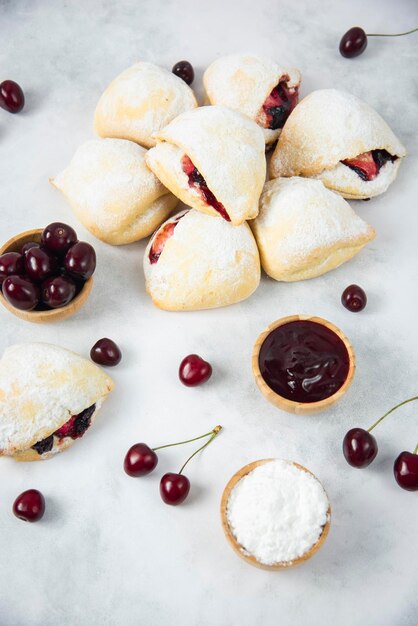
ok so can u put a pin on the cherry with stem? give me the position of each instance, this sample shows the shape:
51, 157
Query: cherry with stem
141, 460
174, 488
354, 41
360, 446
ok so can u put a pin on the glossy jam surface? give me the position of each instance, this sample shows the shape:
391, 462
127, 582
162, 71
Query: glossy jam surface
368, 164
161, 237
278, 105
197, 181
304, 361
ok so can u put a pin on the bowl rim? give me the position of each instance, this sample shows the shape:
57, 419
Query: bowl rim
49, 314
293, 406
240, 550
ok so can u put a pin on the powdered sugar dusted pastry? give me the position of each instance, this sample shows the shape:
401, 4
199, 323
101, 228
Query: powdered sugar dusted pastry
196, 262
255, 86
140, 101
49, 396
336, 137
113, 192
213, 159
304, 230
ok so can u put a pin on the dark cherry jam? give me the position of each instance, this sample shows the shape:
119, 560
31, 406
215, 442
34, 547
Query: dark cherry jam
161, 237
196, 180
75, 428
368, 164
304, 361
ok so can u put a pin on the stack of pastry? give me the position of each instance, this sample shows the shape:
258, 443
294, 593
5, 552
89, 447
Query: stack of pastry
157, 147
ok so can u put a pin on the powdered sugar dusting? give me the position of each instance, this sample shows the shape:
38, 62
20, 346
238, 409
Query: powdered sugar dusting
299, 215
41, 387
277, 512
348, 183
326, 127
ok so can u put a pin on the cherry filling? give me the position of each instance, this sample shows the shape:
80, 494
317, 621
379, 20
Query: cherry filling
197, 181
278, 105
368, 164
75, 428
161, 238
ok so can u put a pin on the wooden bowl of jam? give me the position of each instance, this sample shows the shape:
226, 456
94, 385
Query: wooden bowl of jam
303, 364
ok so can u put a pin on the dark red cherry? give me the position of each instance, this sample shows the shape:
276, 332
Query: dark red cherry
80, 260
27, 246
405, 470
185, 71
29, 506
354, 298
58, 291
57, 238
21, 292
359, 447
353, 43
140, 460
39, 264
105, 352
11, 96
10, 263
174, 488
194, 370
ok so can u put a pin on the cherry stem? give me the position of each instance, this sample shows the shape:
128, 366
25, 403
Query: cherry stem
408, 32
215, 431
416, 449
180, 443
391, 410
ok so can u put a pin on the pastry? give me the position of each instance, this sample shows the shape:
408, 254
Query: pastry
194, 261
48, 398
336, 137
140, 101
255, 86
213, 159
112, 191
304, 230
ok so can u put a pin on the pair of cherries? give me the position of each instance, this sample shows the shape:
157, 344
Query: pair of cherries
360, 449
141, 460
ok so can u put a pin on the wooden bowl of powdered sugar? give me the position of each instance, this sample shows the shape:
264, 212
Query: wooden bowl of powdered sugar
275, 513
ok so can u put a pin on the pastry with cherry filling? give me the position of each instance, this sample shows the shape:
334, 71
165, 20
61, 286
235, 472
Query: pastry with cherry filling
113, 192
140, 101
213, 159
304, 230
194, 261
339, 139
256, 86
49, 397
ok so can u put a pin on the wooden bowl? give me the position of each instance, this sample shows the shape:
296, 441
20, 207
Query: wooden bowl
51, 315
234, 543
291, 406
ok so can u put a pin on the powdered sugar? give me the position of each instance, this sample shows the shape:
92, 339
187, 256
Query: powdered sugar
277, 512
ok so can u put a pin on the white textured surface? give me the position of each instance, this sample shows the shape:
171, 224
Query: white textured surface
277, 512
108, 550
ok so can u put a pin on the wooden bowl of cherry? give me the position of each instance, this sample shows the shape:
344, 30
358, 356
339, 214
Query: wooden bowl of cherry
42, 316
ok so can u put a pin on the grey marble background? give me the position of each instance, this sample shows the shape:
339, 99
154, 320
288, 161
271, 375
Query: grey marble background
108, 550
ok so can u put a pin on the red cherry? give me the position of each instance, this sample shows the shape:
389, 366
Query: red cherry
57, 238
29, 506
174, 488
39, 264
353, 42
58, 291
27, 246
80, 260
405, 470
354, 298
185, 71
10, 263
12, 98
359, 447
21, 292
106, 352
140, 460
194, 370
